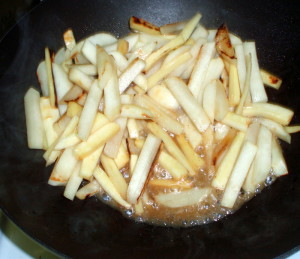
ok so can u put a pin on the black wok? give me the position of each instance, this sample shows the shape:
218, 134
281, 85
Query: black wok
266, 227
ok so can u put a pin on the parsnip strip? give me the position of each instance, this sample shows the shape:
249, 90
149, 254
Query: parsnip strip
172, 166
188, 103
278, 163
89, 51
133, 70
90, 162
69, 39
122, 158
68, 141
169, 183
225, 168
195, 160
172, 27
183, 198
73, 183
109, 188
43, 78
168, 68
270, 80
34, 123
135, 112
234, 94
270, 111
236, 121
63, 168
141, 25
88, 69
292, 128
112, 146
257, 89
96, 140
209, 100
80, 78
197, 78
170, 145
51, 90
222, 105
114, 175
74, 109
142, 168
190, 26
88, 190
241, 64
238, 174
89, 111
161, 115
214, 71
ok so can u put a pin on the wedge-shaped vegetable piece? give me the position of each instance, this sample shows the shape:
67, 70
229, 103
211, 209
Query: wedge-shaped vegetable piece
73, 94
199, 32
192, 134
89, 51
74, 109
34, 122
138, 24
73, 183
135, 112
122, 158
114, 175
194, 159
257, 89
112, 146
109, 188
168, 68
223, 44
196, 82
88, 69
89, 163
162, 116
169, 183
262, 162
183, 198
188, 103
50, 155
240, 64
132, 71
172, 27
89, 111
51, 90
96, 140
49, 116
163, 96
175, 54
61, 124
225, 168
63, 168
69, 39
278, 163
239, 174
214, 71
43, 78
172, 165
88, 190
270, 111
276, 129
209, 99
222, 105
142, 168
190, 26
62, 85
208, 144
170, 145
80, 78
102, 39
234, 94
292, 129
236, 121
270, 80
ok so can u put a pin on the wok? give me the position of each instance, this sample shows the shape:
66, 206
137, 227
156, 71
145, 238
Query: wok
266, 227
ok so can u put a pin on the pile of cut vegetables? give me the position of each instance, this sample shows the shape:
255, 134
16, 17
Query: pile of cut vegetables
179, 96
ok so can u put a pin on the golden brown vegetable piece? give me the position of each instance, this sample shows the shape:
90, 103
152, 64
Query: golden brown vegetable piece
138, 24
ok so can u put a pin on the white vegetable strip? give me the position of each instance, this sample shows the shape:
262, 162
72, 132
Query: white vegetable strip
238, 174
209, 100
241, 64
88, 190
89, 51
214, 71
257, 88
196, 82
34, 123
68, 141
183, 198
51, 89
133, 70
102, 39
135, 112
80, 78
142, 168
73, 183
89, 111
112, 146
270, 80
188, 103
109, 188
43, 78
278, 163
236, 121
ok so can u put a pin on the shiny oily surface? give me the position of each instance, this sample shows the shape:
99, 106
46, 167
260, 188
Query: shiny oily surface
266, 227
